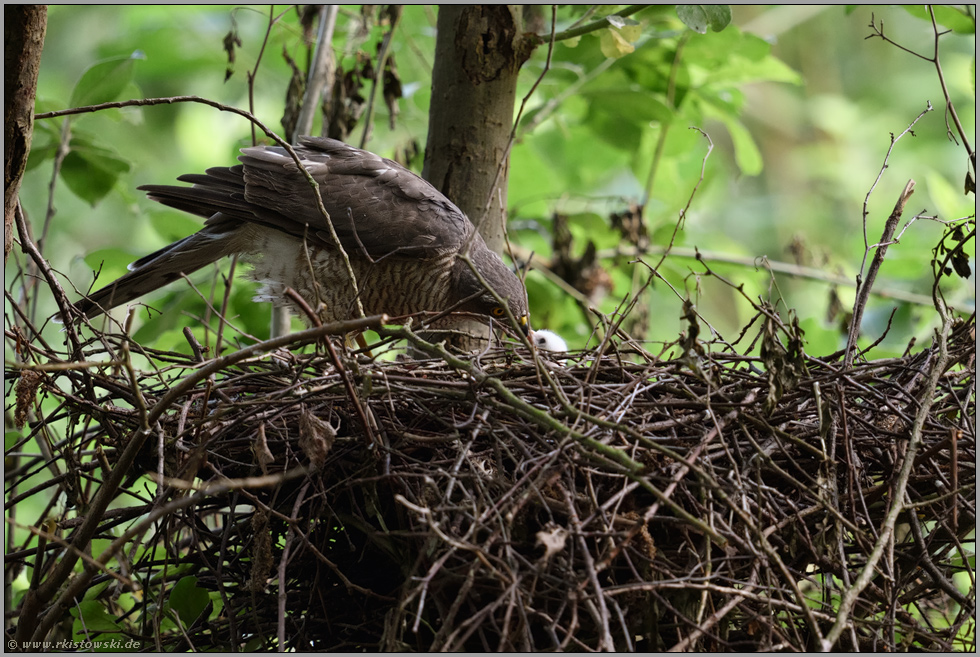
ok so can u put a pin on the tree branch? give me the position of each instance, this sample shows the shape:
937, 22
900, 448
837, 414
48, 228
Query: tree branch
595, 25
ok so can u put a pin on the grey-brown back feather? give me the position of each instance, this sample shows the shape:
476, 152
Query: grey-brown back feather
378, 208
160, 268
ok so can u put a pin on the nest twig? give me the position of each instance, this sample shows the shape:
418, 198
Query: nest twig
515, 502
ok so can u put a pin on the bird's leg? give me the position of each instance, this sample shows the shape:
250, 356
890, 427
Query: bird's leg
361, 342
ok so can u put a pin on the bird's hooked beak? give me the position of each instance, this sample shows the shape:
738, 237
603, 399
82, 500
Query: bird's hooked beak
525, 325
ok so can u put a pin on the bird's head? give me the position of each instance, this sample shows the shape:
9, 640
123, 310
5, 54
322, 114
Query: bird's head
548, 340
499, 277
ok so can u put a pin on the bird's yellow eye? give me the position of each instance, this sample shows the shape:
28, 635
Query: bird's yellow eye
499, 311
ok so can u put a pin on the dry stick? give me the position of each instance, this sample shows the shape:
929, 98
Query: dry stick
59, 159
383, 53
764, 262
30, 248
321, 71
38, 347
362, 414
879, 31
898, 504
737, 596
77, 586
864, 291
61, 366
606, 642
283, 562
544, 419
250, 75
937, 577
950, 109
615, 328
682, 215
686, 465
351, 586
225, 300
45, 536
37, 598
600, 452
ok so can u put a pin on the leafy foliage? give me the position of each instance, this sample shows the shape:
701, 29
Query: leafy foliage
702, 17
798, 107
597, 134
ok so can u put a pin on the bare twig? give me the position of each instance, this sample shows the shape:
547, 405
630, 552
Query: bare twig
321, 72
898, 497
864, 287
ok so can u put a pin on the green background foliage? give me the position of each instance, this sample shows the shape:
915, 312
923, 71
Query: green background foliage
798, 104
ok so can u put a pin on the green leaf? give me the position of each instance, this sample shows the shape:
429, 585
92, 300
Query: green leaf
105, 81
173, 225
624, 135
612, 44
94, 592
44, 145
91, 616
733, 58
91, 171
39, 153
10, 438
110, 262
188, 600
631, 32
747, 154
700, 17
948, 17
629, 105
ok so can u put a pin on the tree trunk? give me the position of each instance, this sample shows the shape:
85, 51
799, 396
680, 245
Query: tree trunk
479, 52
23, 38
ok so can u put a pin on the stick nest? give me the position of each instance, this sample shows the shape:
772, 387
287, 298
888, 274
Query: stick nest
519, 501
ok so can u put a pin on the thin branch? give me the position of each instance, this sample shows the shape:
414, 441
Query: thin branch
898, 491
879, 31
320, 73
36, 598
598, 24
950, 108
383, 53
864, 289
510, 142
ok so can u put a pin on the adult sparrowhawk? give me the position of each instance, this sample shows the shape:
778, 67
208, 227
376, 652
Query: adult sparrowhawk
404, 239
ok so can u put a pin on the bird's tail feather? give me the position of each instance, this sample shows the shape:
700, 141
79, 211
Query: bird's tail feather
160, 268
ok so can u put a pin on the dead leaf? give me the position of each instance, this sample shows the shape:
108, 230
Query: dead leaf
316, 437
553, 541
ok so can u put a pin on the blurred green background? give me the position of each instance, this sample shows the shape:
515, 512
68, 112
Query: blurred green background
798, 103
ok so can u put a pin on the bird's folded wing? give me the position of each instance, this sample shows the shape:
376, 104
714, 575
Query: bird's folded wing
378, 208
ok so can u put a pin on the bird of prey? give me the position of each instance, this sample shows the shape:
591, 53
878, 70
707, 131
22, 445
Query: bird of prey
404, 239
